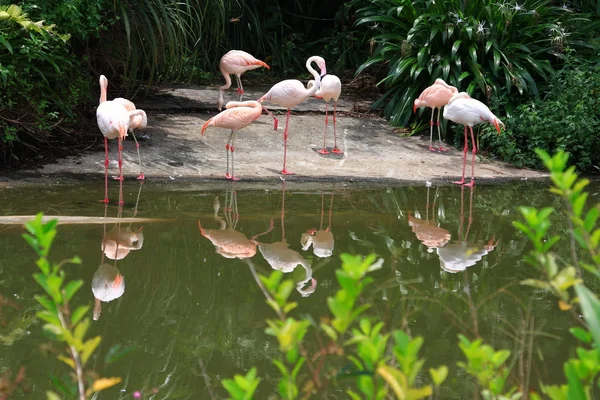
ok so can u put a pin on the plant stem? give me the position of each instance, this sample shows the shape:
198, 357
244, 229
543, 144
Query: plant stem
76, 359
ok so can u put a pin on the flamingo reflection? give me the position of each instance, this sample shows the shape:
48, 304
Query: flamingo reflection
458, 256
321, 240
281, 257
228, 242
428, 231
108, 284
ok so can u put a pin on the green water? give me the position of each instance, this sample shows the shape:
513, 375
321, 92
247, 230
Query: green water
195, 317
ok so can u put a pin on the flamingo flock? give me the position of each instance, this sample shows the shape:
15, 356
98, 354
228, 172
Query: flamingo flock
118, 117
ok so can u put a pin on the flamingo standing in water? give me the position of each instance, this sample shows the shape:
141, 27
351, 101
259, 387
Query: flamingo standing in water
137, 122
435, 96
114, 121
237, 116
236, 62
466, 111
290, 93
331, 88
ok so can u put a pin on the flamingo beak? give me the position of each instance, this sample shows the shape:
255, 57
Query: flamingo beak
323, 71
414, 108
497, 125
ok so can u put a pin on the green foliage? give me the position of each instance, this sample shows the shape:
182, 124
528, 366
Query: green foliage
36, 96
561, 276
490, 49
61, 324
566, 119
242, 387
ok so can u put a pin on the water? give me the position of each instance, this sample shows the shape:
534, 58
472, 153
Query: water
195, 316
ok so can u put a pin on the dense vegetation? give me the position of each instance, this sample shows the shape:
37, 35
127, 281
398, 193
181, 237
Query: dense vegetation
505, 53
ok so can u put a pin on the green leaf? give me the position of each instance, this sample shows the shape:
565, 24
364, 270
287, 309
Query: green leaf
455, 47
576, 390
590, 306
6, 44
46, 303
116, 352
438, 375
52, 396
89, 347
581, 334
78, 314
71, 288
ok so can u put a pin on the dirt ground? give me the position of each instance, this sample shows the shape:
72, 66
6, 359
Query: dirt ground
172, 147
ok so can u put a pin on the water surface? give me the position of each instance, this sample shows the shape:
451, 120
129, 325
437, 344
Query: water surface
194, 314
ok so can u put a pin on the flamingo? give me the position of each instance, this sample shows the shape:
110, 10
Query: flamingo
113, 120
107, 285
281, 257
238, 115
136, 122
428, 231
228, 242
459, 255
331, 88
322, 240
236, 62
435, 96
291, 92
462, 109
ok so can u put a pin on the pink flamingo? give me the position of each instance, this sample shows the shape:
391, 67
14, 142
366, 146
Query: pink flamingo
290, 93
136, 122
113, 120
466, 111
331, 88
237, 116
435, 96
236, 62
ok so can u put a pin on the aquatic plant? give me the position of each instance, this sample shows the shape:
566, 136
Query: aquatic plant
64, 324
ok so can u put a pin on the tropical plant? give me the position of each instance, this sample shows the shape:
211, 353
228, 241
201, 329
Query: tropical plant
64, 324
490, 49
566, 119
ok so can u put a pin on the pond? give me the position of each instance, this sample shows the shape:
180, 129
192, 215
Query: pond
193, 312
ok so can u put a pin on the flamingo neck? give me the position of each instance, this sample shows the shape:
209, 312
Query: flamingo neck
103, 85
313, 89
227, 84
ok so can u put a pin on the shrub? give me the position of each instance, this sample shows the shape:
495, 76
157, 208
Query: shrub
501, 49
566, 119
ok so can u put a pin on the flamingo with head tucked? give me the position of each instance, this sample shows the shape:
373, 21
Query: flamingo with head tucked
291, 92
435, 96
236, 62
137, 122
331, 89
464, 110
114, 121
237, 116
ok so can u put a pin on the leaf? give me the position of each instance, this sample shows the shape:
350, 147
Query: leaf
590, 306
67, 360
576, 391
439, 374
455, 47
89, 347
71, 288
52, 396
6, 44
116, 352
78, 314
581, 334
104, 383
393, 377
46, 303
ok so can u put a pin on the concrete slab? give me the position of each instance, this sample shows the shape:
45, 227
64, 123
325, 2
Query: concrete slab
372, 151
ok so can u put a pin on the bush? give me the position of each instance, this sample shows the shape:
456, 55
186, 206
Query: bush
566, 119
40, 84
488, 48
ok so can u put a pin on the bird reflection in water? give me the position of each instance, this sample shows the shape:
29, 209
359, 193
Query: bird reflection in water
458, 256
428, 231
281, 257
227, 241
108, 284
321, 240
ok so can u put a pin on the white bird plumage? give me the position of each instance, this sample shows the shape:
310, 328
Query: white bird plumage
331, 89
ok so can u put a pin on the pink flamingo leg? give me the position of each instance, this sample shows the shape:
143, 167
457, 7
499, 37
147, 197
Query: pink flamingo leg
324, 149
227, 149
275, 120
285, 137
439, 132
431, 131
233, 178
240, 88
470, 184
120, 171
335, 148
466, 149
105, 171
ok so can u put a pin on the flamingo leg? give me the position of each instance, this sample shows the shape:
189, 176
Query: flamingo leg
120, 171
439, 132
275, 120
240, 88
324, 149
137, 147
105, 170
284, 171
466, 149
335, 148
233, 178
431, 131
470, 184
227, 149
